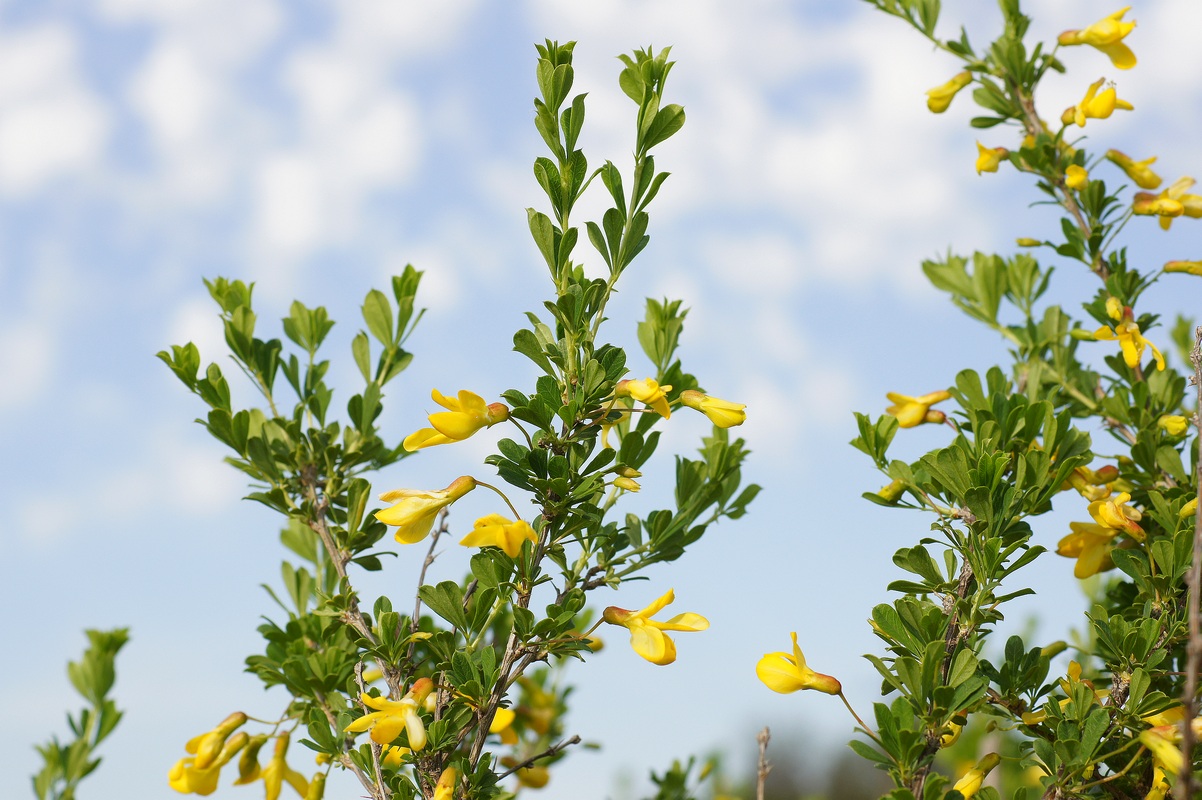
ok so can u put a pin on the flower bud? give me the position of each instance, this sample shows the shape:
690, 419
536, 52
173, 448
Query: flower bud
1076, 177
317, 787
1188, 267
628, 484
1027, 241
1173, 424
892, 491
248, 762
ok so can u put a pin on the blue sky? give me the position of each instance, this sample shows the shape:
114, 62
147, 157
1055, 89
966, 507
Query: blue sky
316, 148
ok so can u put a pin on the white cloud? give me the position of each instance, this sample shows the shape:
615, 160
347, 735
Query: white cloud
51, 123
27, 352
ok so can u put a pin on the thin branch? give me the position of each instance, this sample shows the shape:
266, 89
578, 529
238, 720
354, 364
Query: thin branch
1193, 658
421, 581
550, 751
762, 767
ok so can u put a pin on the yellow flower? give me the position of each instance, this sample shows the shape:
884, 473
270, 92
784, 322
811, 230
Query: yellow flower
1076, 177
317, 787
892, 491
1114, 308
970, 784
1114, 513
912, 411
988, 158
1160, 785
1188, 267
1095, 105
394, 755
1090, 544
445, 788
1162, 742
647, 635
414, 510
950, 733
187, 778
277, 771
392, 716
1090, 484
1173, 424
502, 723
722, 413
1130, 340
648, 391
208, 746
1138, 171
939, 98
1174, 201
497, 531
787, 672
248, 762
1106, 35
464, 416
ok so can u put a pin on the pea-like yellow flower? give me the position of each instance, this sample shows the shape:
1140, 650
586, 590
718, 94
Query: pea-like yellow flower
1187, 267
722, 413
787, 672
414, 510
1130, 340
647, 636
277, 772
1090, 544
465, 415
188, 778
1095, 105
1114, 308
445, 788
988, 158
248, 762
892, 491
317, 787
1091, 484
646, 391
1173, 424
1114, 513
913, 411
1076, 177
1163, 741
1189, 509
950, 733
502, 724
393, 755
1138, 171
1173, 202
208, 746
497, 531
939, 98
971, 782
1160, 785
392, 716
1107, 35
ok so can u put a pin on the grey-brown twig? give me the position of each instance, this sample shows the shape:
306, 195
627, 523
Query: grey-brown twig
550, 751
439, 530
1193, 651
762, 767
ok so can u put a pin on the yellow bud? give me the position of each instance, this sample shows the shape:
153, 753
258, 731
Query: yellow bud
628, 484
939, 98
1054, 649
1189, 509
892, 491
1114, 307
1188, 267
1173, 424
317, 787
988, 158
1027, 241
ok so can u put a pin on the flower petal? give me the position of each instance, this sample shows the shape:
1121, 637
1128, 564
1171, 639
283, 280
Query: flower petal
652, 644
687, 621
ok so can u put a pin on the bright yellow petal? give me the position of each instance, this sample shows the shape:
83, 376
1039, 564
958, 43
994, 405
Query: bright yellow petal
426, 437
456, 424
501, 720
449, 403
416, 731
1119, 53
658, 604
652, 644
779, 673
387, 728
687, 621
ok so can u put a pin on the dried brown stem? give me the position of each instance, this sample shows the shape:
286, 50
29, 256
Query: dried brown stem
1193, 658
762, 767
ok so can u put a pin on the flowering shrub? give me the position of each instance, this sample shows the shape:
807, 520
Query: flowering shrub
460, 697
1122, 721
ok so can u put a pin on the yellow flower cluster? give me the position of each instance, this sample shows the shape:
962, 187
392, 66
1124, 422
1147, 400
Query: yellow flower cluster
209, 752
1091, 542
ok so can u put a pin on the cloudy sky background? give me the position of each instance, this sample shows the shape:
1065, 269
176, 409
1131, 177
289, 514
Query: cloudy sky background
316, 148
